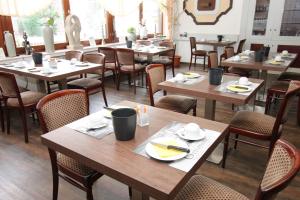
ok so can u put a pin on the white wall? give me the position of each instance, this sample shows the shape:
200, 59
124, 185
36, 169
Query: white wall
230, 25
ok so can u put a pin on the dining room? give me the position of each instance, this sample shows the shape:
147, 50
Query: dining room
149, 99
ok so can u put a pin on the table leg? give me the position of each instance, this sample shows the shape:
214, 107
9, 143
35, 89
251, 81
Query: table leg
210, 107
62, 84
137, 195
41, 86
264, 76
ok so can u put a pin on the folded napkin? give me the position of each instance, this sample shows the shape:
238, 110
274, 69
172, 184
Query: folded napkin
163, 152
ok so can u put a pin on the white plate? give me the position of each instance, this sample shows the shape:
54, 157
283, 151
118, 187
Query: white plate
191, 75
150, 150
8, 65
81, 64
248, 89
184, 135
34, 70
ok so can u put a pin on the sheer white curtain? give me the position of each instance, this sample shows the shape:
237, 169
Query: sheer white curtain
22, 7
120, 7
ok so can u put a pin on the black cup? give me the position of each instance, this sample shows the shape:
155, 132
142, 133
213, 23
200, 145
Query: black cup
259, 55
129, 44
37, 58
220, 38
124, 123
215, 76
266, 51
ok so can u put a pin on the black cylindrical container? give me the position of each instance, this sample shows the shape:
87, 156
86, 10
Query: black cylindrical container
37, 58
215, 76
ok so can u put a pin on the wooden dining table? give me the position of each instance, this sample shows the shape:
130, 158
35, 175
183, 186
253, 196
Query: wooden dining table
60, 73
211, 94
117, 159
215, 43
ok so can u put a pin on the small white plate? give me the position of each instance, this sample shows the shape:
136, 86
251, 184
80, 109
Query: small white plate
184, 135
150, 150
161, 47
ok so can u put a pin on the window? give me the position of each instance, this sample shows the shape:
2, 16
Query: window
91, 16
151, 16
290, 25
33, 25
122, 23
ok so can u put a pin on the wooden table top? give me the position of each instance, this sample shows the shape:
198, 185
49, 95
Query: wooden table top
117, 159
148, 50
216, 43
203, 89
64, 69
265, 65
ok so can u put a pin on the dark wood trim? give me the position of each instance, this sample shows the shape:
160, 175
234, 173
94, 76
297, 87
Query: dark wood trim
141, 12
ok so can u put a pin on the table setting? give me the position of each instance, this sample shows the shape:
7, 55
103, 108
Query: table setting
242, 86
187, 78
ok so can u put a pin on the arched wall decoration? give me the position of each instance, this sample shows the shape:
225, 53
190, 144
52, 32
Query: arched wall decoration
206, 12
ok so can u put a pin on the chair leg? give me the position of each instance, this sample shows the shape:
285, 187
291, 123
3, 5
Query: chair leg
204, 59
129, 79
104, 96
7, 111
2, 117
142, 75
130, 191
195, 61
236, 142
268, 102
195, 111
89, 193
118, 81
24, 121
298, 112
48, 87
226, 143
54, 173
191, 61
173, 70
114, 76
134, 83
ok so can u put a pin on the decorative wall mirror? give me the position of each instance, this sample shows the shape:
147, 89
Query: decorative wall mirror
206, 12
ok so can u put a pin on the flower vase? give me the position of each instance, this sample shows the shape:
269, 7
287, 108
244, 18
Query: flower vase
48, 39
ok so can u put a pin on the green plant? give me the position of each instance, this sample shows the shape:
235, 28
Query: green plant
50, 21
131, 30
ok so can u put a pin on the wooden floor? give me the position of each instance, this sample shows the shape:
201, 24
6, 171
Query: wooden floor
25, 171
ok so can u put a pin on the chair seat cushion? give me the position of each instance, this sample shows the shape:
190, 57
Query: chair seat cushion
177, 103
129, 68
203, 188
199, 52
110, 65
162, 60
289, 76
84, 83
29, 98
253, 121
74, 165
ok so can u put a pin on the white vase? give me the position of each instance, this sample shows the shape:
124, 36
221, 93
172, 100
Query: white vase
10, 45
48, 39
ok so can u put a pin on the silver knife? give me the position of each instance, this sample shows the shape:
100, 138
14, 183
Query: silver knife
171, 147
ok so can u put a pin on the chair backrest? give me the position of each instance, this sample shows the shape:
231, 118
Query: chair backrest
293, 90
63, 107
241, 45
110, 54
73, 54
256, 47
193, 43
282, 167
170, 45
8, 85
155, 75
213, 59
125, 56
229, 52
143, 42
97, 58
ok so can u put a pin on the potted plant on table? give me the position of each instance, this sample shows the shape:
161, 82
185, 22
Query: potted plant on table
48, 35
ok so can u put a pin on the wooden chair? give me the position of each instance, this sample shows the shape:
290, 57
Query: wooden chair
256, 47
92, 85
127, 65
177, 103
110, 60
279, 88
195, 53
260, 126
167, 59
282, 167
24, 102
68, 56
54, 111
229, 52
241, 46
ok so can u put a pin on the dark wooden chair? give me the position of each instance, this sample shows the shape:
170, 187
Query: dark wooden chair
229, 52
92, 85
110, 60
282, 167
278, 89
256, 47
24, 102
177, 103
68, 56
261, 126
127, 65
167, 59
196, 53
54, 111
241, 46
